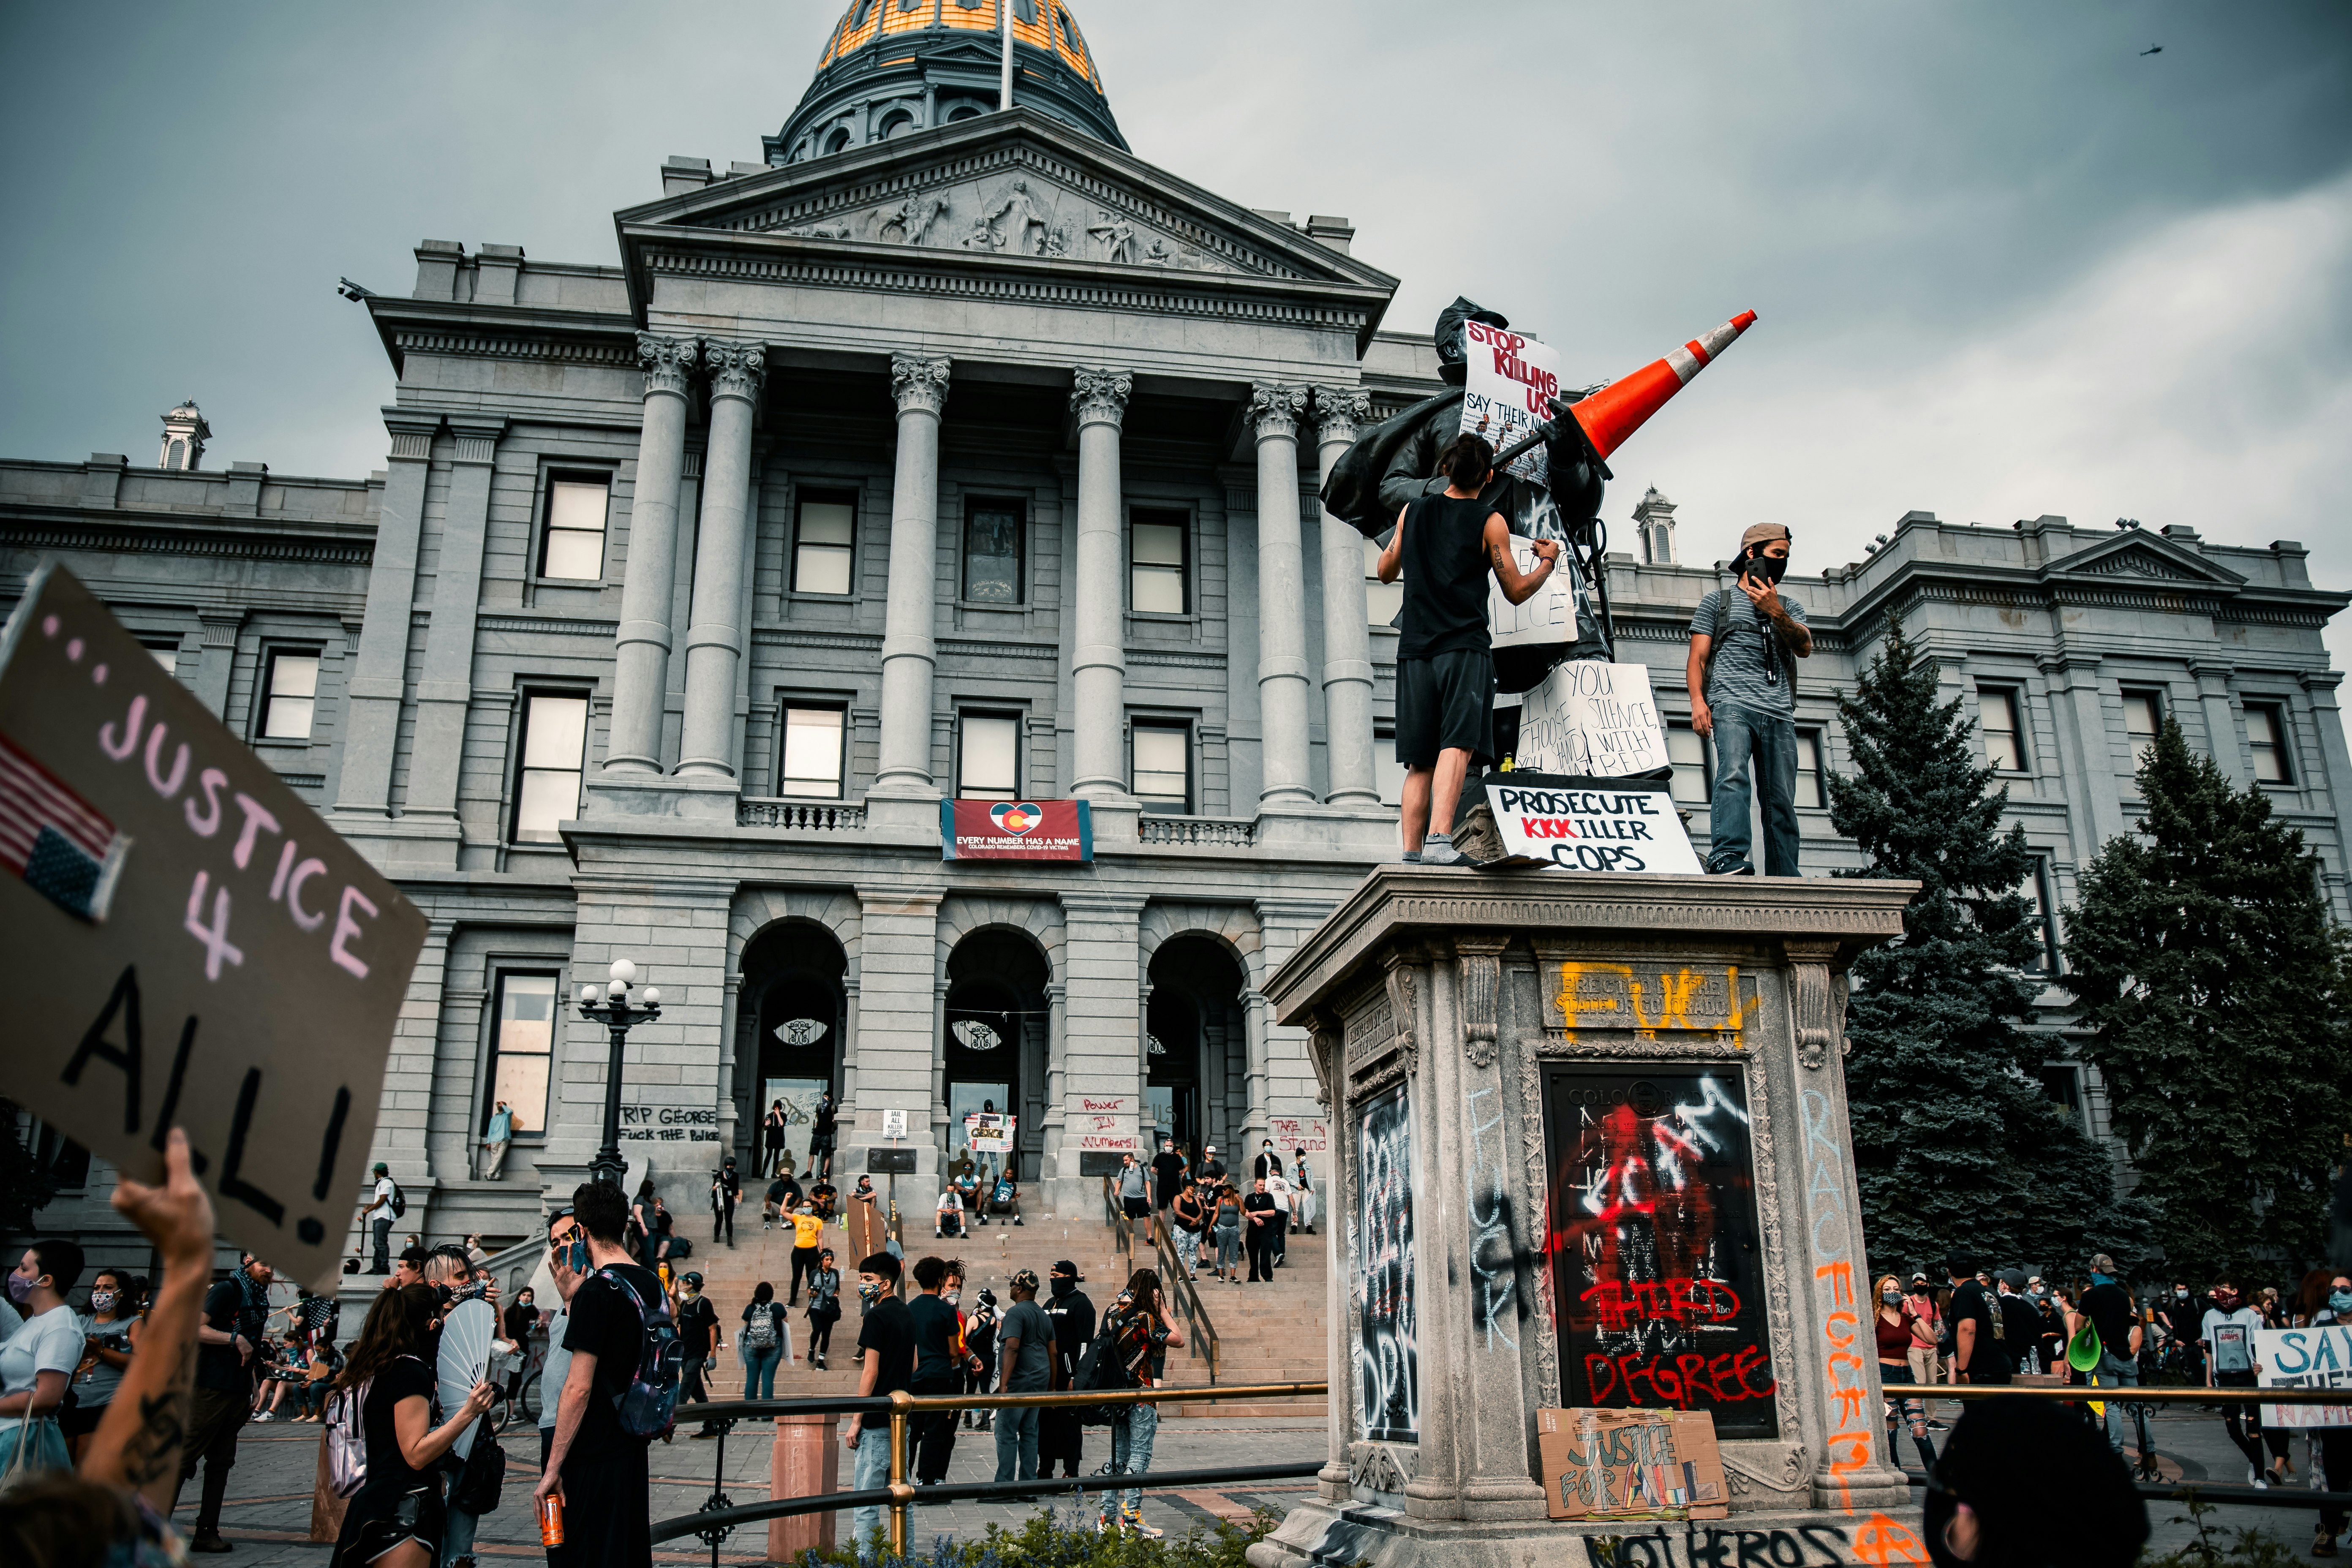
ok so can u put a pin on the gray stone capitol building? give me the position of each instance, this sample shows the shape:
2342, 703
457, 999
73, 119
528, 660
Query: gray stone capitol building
956, 451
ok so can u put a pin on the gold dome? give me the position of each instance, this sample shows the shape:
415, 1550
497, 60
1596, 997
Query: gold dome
1041, 25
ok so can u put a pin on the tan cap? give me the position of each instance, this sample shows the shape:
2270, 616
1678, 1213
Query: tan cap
1763, 534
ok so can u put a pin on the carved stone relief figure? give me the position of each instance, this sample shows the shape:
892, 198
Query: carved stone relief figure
1114, 239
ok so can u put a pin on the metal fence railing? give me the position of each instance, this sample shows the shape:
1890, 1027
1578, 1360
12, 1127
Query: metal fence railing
718, 1518
1200, 1332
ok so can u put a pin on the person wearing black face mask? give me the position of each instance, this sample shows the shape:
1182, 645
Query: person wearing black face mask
1072, 1313
1744, 648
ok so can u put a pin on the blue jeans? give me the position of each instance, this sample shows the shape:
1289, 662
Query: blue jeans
2120, 1372
870, 1532
1742, 737
1017, 1443
759, 1373
1130, 1447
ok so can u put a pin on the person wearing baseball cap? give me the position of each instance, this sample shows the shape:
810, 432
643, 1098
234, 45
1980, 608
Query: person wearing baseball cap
1024, 1358
1744, 648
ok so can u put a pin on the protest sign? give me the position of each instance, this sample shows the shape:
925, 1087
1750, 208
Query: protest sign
1581, 825
1592, 720
2319, 1356
1511, 375
1547, 618
989, 1132
1630, 1464
200, 949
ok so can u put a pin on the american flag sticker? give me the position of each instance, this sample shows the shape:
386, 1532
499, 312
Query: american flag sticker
57, 841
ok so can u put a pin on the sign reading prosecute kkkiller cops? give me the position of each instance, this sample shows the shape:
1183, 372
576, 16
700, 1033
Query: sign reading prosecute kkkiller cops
1580, 825
191, 945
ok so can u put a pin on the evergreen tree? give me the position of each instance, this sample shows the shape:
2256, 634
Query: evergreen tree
2213, 985
1957, 1148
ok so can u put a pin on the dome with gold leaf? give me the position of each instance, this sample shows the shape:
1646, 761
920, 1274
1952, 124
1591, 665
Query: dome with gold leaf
895, 66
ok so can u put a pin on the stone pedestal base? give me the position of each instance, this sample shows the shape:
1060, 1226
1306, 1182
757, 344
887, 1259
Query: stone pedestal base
1318, 1532
912, 818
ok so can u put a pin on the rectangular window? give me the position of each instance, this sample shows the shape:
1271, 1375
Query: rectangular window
521, 1049
992, 548
988, 756
2063, 1083
574, 546
1687, 749
1383, 602
1160, 766
2004, 736
555, 754
1155, 575
2266, 736
167, 653
1386, 770
290, 695
2040, 916
812, 752
823, 543
2143, 718
1809, 770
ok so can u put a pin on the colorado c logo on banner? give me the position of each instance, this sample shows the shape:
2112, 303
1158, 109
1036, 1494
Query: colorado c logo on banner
1015, 817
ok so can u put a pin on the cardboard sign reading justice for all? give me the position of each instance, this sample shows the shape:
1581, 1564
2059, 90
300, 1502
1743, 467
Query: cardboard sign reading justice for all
195, 947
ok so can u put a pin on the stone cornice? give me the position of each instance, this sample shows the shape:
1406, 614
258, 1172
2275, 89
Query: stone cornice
132, 533
501, 332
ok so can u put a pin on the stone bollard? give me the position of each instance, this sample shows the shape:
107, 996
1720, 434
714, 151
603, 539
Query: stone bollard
1591, 1150
806, 1461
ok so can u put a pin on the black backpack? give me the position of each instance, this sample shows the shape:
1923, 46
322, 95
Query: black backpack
1101, 1370
399, 1202
481, 1476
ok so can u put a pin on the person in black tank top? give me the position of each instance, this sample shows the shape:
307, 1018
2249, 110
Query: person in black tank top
1444, 547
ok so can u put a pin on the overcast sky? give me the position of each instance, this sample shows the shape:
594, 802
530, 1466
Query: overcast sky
2004, 263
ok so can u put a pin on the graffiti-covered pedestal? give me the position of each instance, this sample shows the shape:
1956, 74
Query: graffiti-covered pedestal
1592, 1150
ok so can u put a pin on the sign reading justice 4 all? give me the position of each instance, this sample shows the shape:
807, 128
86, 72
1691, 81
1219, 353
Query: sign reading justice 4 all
1583, 825
1016, 830
194, 946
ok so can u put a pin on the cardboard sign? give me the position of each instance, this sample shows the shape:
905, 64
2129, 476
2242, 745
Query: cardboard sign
2317, 1357
1016, 830
1311, 1133
1630, 1464
1595, 720
1548, 618
1109, 1124
1584, 825
894, 1123
989, 1132
198, 948
1511, 375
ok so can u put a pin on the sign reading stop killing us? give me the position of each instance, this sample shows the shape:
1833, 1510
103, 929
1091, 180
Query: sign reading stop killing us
1585, 825
193, 946
1511, 378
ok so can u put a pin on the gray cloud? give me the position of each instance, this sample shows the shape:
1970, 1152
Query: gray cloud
2004, 264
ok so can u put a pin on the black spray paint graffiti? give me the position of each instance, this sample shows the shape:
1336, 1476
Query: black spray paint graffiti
1392, 1396
1503, 1271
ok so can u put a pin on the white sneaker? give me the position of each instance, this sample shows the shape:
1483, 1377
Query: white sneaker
2254, 1479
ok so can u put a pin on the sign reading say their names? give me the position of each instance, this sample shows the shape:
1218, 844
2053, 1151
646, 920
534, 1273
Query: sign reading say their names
1584, 825
195, 947
1594, 720
2319, 1356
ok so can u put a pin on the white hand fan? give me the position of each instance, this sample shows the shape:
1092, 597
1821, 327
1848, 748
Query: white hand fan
465, 1336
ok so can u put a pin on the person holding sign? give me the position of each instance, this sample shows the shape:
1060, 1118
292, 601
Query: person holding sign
1445, 547
1744, 648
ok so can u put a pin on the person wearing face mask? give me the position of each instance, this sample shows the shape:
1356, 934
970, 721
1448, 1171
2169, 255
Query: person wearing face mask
824, 1307
1744, 648
1894, 1326
39, 1358
700, 1342
2107, 1306
1060, 1438
110, 1333
2334, 1442
886, 1342
939, 1369
2228, 1336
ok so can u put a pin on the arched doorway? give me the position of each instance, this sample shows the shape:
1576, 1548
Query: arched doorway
794, 1007
993, 1055
1196, 1086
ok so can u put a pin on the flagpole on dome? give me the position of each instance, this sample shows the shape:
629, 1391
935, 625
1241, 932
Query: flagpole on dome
1004, 35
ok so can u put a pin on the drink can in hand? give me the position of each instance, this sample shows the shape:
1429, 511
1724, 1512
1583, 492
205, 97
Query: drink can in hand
550, 1521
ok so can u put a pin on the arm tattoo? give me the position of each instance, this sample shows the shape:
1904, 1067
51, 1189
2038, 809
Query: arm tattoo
154, 1448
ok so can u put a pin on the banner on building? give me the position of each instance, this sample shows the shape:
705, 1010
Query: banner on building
1511, 375
1109, 1124
1591, 719
1016, 830
2317, 1357
1291, 1134
1584, 825
194, 946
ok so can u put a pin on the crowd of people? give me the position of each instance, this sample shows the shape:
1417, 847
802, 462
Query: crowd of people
1203, 1209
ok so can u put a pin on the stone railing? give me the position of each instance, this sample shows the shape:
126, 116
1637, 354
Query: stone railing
1198, 832
801, 815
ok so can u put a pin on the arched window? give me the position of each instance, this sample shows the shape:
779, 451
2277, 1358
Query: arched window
179, 457
963, 111
839, 141
897, 124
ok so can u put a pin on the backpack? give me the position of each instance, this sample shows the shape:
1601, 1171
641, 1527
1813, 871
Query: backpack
399, 1202
646, 1408
1104, 1367
1782, 661
759, 1328
476, 1489
347, 1439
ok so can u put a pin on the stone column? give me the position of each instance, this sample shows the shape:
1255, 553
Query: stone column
714, 640
2094, 806
2221, 737
1097, 596
641, 647
1326, 1048
445, 681
218, 660
379, 673
1282, 597
1346, 635
1102, 1016
2327, 719
920, 387
1254, 1112
1055, 1123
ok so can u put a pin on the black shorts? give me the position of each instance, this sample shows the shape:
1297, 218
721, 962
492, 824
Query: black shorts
1445, 703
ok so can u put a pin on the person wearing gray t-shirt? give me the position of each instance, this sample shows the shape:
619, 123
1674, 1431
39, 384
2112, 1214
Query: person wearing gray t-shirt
1745, 645
1024, 1343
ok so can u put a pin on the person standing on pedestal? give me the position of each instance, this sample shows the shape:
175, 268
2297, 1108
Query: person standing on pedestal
1744, 648
1445, 547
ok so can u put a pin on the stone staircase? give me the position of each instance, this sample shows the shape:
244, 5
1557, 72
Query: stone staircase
1265, 1333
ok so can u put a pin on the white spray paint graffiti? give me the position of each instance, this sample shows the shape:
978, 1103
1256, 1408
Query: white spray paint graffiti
1392, 1396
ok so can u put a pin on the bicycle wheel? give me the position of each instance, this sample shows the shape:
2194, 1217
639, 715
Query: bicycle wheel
526, 1402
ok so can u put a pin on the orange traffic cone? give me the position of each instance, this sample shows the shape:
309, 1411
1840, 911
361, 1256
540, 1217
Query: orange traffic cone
1619, 409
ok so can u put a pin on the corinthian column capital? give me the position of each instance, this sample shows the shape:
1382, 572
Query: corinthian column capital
1100, 396
1274, 410
737, 370
1339, 410
919, 384
668, 363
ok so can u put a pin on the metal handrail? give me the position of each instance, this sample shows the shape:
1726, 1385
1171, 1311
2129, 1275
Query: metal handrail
1115, 1215
2235, 1496
1172, 1273
2122, 1393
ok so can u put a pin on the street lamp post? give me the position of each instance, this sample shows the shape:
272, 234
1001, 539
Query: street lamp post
611, 1007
